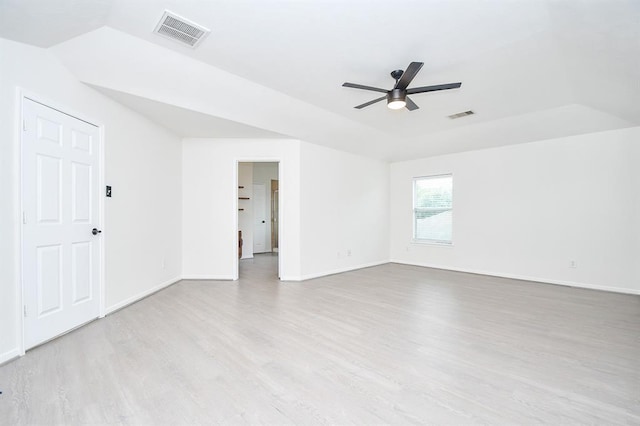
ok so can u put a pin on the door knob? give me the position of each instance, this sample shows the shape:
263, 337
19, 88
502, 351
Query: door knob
263, 221
96, 231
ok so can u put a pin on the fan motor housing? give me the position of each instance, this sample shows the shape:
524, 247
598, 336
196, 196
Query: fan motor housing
396, 95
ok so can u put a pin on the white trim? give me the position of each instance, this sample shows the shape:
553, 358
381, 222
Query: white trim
10, 355
64, 109
431, 243
23, 94
236, 261
133, 299
523, 277
283, 234
210, 277
337, 271
18, 244
290, 279
103, 225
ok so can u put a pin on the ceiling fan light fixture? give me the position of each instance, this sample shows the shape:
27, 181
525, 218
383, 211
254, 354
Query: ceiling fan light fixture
396, 104
396, 99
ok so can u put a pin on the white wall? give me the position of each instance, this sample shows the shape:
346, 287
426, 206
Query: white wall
528, 210
245, 217
143, 218
143, 163
342, 200
210, 201
264, 173
344, 211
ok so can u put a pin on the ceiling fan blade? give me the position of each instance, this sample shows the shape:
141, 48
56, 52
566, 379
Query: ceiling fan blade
408, 75
360, 86
366, 104
433, 88
411, 106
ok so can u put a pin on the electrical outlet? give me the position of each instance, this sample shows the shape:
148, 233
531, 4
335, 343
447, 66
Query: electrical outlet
339, 255
573, 264
349, 253
164, 264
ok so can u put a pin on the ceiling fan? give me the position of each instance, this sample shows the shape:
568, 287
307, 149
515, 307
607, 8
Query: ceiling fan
397, 97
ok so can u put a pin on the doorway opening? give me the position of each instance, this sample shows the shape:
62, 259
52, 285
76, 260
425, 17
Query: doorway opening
258, 218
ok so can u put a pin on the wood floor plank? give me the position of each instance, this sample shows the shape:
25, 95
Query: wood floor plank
391, 344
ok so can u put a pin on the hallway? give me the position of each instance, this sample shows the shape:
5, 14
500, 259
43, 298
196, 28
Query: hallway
263, 266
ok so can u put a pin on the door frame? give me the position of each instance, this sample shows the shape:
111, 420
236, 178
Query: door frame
238, 160
264, 221
22, 96
277, 232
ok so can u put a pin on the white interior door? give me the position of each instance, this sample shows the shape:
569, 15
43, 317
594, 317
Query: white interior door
259, 218
60, 253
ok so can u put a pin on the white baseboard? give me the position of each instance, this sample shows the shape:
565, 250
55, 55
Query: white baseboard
338, 271
523, 277
209, 277
9, 355
111, 309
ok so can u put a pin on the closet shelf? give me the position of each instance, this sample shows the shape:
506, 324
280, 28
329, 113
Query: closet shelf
243, 198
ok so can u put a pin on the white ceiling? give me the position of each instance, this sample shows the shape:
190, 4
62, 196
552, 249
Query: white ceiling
531, 69
188, 123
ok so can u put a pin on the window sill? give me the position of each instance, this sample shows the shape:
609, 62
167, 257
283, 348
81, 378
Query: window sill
431, 243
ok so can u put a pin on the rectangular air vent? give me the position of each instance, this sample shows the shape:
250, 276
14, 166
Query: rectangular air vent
461, 114
180, 29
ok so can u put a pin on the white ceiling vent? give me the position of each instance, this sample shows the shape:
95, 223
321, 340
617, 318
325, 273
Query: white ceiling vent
180, 29
461, 114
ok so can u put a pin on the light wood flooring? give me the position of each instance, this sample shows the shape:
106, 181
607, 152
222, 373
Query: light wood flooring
389, 344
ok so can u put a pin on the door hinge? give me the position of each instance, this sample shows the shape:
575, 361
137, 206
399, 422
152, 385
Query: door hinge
24, 218
25, 310
24, 125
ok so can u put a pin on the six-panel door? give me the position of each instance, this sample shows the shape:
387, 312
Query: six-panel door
61, 256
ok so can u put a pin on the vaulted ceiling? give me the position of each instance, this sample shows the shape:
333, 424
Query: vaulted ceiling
531, 69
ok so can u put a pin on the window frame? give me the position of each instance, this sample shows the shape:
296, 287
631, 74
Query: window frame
428, 241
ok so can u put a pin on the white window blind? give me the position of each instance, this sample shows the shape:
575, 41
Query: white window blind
433, 208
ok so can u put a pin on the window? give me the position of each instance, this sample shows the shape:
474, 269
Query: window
433, 209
